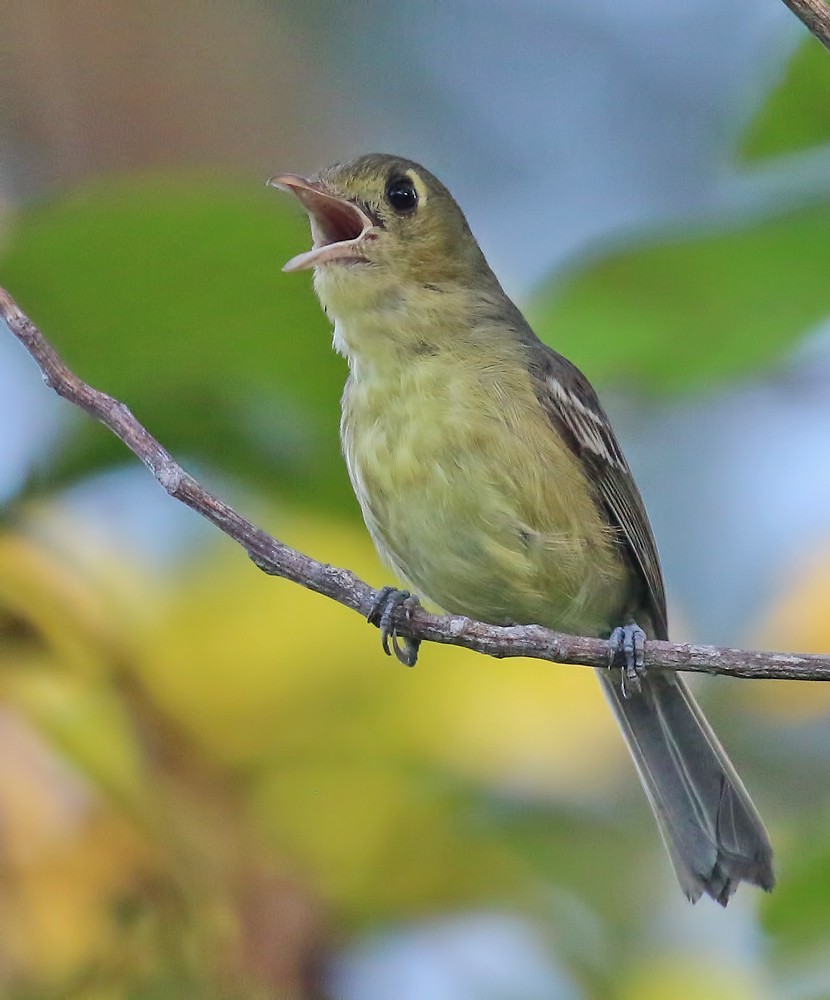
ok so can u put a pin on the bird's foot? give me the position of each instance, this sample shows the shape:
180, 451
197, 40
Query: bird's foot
382, 614
629, 642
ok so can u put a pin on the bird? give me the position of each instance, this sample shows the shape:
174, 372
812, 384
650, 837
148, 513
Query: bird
492, 483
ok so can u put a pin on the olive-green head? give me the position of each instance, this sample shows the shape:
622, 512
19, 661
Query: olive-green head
382, 226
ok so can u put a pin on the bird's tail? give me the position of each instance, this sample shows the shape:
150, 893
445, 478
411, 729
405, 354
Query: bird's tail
712, 830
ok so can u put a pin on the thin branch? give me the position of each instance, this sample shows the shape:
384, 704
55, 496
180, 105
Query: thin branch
278, 559
815, 14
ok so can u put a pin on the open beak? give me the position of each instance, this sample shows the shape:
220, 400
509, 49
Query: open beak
339, 228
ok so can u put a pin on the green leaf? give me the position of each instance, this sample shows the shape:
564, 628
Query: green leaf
673, 315
797, 913
167, 293
796, 115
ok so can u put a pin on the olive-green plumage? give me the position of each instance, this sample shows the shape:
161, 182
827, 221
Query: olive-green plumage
490, 479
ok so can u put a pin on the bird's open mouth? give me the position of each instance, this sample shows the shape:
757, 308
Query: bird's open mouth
339, 228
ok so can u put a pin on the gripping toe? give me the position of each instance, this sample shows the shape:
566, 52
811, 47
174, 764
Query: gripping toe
382, 613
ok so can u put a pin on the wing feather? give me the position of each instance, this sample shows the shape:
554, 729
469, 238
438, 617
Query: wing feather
574, 410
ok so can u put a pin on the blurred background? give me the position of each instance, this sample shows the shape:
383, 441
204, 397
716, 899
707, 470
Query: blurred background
213, 784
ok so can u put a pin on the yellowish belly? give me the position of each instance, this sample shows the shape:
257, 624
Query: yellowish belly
468, 499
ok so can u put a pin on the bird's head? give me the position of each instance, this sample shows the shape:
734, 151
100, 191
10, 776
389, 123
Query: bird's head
383, 229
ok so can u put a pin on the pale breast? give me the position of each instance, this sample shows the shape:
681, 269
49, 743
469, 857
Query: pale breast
466, 497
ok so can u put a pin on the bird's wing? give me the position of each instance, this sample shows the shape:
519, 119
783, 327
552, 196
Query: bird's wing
574, 410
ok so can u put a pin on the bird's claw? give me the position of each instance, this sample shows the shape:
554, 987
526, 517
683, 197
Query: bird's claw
629, 641
382, 613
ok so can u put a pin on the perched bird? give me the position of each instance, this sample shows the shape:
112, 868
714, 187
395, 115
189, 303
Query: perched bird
491, 481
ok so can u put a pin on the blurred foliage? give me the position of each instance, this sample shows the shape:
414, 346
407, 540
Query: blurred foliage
166, 291
797, 915
208, 779
707, 302
800, 621
224, 782
681, 311
796, 115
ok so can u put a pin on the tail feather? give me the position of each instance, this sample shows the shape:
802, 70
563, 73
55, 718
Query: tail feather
713, 832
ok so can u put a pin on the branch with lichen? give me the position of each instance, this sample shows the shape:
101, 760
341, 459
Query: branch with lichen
815, 15
278, 559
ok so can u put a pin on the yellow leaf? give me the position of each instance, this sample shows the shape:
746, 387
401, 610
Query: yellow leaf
798, 621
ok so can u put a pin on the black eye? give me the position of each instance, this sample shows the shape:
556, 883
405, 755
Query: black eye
401, 195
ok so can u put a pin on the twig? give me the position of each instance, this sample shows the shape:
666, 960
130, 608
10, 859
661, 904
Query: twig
278, 559
815, 14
